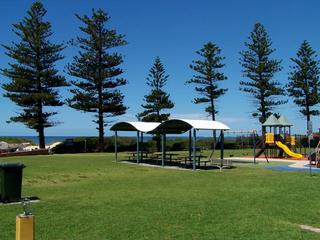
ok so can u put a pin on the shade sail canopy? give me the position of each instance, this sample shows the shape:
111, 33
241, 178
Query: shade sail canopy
173, 126
206, 124
135, 126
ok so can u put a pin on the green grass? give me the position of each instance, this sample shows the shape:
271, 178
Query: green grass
87, 196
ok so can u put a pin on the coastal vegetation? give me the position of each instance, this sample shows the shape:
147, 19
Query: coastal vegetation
125, 144
15, 140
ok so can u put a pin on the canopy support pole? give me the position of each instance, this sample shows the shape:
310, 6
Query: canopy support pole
194, 149
221, 147
163, 149
116, 145
254, 147
190, 144
138, 147
141, 146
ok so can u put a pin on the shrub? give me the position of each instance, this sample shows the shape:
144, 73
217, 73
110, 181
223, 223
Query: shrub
89, 144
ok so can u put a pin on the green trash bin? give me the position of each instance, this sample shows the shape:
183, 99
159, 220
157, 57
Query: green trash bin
10, 182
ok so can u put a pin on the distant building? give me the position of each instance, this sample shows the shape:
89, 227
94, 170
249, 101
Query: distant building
4, 146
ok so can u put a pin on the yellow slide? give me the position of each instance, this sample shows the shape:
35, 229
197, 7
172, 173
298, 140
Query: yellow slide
287, 150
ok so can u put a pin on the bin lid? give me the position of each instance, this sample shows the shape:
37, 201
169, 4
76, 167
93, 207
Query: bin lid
11, 165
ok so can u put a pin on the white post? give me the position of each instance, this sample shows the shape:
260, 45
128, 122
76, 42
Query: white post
194, 149
116, 145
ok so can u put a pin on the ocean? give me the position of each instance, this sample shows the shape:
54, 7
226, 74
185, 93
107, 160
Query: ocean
49, 139
53, 139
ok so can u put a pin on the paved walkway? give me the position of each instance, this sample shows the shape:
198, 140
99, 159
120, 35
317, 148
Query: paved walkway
250, 159
295, 166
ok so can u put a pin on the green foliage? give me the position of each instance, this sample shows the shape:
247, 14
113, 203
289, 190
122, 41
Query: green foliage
89, 144
260, 68
88, 196
157, 100
15, 140
304, 82
303, 142
34, 79
207, 77
97, 70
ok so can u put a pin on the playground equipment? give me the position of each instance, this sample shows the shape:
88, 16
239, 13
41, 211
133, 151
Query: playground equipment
315, 156
250, 137
277, 139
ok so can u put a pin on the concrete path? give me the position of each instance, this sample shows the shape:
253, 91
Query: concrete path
302, 164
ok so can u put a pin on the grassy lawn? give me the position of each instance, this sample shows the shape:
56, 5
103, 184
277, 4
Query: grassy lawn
87, 196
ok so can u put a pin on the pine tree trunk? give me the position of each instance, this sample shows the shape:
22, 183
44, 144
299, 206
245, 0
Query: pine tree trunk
307, 110
214, 135
213, 116
42, 143
101, 132
158, 137
263, 116
308, 117
263, 130
100, 121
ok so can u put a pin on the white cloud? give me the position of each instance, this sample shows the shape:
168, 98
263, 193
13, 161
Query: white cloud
232, 119
204, 116
199, 116
128, 117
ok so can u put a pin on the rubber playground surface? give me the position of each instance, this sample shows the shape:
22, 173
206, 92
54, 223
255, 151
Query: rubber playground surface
305, 168
289, 165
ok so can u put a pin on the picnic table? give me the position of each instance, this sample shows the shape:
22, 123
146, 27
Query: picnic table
170, 155
198, 160
133, 155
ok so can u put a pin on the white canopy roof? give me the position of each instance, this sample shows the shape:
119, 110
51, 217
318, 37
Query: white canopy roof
206, 124
175, 126
135, 126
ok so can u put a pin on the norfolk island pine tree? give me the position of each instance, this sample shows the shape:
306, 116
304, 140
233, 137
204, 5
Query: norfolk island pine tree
34, 78
259, 68
97, 71
157, 100
207, 77
304, 85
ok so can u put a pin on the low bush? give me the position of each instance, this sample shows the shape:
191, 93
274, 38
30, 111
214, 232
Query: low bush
89, 144
15, 140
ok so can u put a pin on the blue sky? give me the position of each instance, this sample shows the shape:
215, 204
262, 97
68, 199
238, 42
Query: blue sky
173, 30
